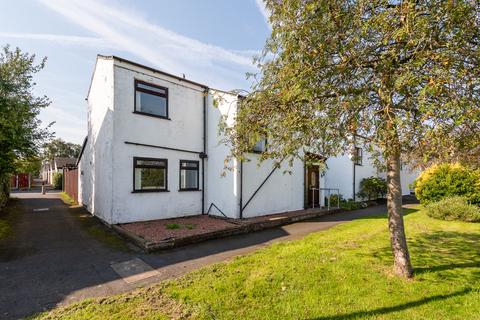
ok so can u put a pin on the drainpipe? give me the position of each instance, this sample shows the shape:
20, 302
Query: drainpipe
241, 189
203, 155
354, 171
305, 199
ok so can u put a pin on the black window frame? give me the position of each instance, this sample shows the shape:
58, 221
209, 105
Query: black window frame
188, 168
136, 88
135, 166
358, 159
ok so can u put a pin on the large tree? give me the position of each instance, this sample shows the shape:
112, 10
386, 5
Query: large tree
394, 72
21, 132
60, 148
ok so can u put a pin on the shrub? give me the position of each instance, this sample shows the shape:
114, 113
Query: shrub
372, 188
333, 200
445, 180
350, 204
344, 204
58, 180
454, 208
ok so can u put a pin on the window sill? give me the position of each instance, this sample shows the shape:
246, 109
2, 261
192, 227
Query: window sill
151, 115
182, 190
149, 191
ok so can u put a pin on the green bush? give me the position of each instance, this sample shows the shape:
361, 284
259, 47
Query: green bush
58, 180
333, 200
350, 204
372, 188
454, 208
445, 180
344, 204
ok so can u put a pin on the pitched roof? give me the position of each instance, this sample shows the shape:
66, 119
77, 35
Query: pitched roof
65, 162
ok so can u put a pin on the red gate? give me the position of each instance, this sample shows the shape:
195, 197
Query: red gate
70, 183
20, 181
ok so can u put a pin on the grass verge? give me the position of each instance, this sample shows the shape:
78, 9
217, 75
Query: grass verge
67, 199
341, 273
7, 216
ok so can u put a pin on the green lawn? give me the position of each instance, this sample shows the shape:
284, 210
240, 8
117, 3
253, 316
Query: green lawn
342, 273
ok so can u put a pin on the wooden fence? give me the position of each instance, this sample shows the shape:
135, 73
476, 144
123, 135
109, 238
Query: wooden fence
21, 181
70, 183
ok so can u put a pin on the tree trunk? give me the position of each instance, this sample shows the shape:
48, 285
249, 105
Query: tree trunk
401, 257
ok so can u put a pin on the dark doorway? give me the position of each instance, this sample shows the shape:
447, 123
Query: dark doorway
313, 186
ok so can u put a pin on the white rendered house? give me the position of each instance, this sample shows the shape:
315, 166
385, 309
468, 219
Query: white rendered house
153, 152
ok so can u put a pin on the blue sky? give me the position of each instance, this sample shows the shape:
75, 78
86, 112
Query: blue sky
210, 41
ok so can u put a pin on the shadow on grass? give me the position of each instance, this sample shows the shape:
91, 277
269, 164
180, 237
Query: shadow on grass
400, 307
442, 254
445, 267
346, 215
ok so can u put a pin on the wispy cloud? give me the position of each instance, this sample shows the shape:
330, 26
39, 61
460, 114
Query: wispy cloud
67, 125
132, 32
264, 11
60, 39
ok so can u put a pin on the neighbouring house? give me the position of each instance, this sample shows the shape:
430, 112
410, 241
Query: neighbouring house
49, 167
153, 151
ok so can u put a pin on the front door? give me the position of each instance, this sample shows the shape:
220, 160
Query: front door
313, 185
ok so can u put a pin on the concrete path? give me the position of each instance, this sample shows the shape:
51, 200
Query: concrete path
52, 260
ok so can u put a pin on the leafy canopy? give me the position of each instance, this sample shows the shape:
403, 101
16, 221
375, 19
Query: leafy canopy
402, 74
21, 133
60, 148
372, 188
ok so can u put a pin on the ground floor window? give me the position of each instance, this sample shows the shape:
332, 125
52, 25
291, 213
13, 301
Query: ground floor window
149, 174
189, 172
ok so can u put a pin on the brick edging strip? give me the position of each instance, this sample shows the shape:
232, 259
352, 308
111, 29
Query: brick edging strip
237, 229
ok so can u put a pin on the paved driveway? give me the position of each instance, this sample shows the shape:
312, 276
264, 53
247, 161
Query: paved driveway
52, 260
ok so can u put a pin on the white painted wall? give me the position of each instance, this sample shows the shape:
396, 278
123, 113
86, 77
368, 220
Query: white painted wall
339, 175
128, 206
96, 162
281, 192
222, 185
407, 177
184, 130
